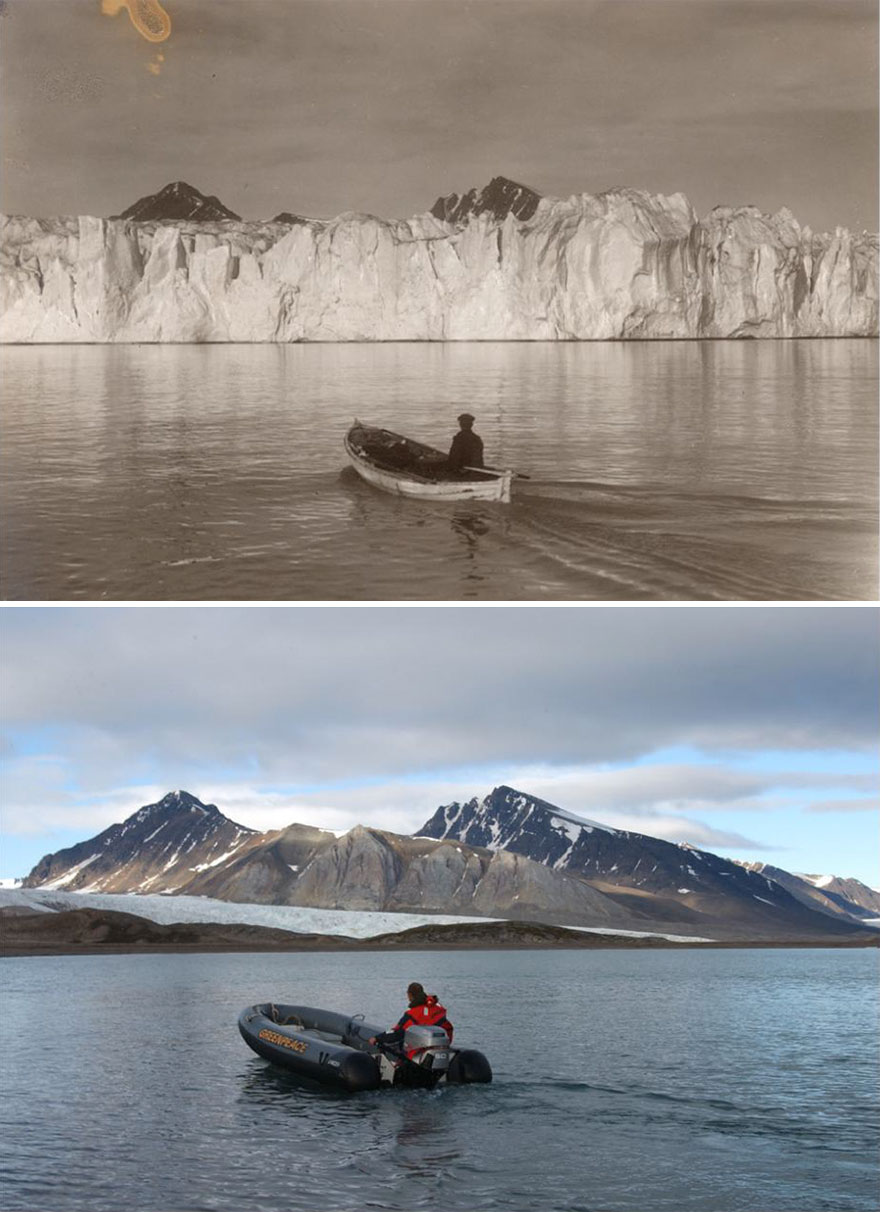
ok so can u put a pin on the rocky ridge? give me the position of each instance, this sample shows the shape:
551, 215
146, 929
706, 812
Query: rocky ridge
158, 848
625, 264
664, 880
180, 845
508, 855
839, 897
500, 198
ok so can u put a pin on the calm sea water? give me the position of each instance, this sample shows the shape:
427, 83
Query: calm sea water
730, 1081
660, 470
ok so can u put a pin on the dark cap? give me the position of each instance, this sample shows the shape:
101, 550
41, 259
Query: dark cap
466, 416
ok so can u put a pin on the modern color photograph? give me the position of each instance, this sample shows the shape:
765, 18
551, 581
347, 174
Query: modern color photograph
323, 910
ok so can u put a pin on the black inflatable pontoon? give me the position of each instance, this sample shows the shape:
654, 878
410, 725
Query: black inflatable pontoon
335, 1049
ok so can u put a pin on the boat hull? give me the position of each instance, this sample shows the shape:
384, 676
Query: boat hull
404, 482
268, 1029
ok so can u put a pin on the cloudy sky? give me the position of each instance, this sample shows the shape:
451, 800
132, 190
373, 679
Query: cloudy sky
748, 731
324, 106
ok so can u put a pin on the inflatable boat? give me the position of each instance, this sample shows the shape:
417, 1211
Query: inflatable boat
335, 1049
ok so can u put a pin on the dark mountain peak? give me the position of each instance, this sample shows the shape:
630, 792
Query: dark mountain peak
506, 799
682, 882
179, 797
289, 219
503, 792
500, 198
172, 803
167, 841
177, 201
507, 819
500, 187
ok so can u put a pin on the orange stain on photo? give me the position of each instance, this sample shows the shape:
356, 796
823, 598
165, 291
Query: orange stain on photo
147, 16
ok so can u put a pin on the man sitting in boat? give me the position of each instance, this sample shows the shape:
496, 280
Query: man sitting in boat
467, 447
424, 1010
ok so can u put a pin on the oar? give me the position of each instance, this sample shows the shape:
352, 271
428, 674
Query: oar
497, 471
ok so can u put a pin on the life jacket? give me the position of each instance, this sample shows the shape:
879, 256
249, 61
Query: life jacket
429, 1014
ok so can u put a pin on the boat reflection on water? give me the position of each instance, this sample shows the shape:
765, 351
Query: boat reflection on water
471, 527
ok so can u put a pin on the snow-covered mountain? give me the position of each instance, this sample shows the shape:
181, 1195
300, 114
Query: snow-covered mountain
621, 264
180, 845
664, 880
158, 849
508, 856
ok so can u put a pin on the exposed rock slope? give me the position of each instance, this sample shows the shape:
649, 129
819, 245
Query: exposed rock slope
499, 199
648, 875
853, 892
181, 845
623, 264
840, 897
158, 849
177, 201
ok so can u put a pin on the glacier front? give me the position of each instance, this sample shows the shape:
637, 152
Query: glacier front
625, 264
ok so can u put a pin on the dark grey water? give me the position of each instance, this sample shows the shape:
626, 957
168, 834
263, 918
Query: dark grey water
730, 1081
660, 470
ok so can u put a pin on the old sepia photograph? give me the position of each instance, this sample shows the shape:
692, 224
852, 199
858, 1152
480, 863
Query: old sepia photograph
450, 300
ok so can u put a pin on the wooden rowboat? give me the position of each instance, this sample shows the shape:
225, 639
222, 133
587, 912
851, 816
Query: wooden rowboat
407, 468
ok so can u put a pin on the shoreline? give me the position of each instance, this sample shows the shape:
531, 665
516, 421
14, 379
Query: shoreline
107, 932
328, 947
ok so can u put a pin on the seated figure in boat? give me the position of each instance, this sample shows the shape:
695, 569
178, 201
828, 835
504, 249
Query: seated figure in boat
467, 447
424, 1010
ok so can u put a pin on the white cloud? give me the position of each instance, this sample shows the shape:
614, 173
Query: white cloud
844, 805
322, 695
336, 716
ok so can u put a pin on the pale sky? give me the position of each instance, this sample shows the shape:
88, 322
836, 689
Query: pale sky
748, 731
326, 106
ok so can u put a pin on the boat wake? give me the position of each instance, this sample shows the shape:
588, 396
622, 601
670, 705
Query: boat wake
650, 543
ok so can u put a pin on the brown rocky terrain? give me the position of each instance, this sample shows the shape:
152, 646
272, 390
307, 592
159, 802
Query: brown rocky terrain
181, 845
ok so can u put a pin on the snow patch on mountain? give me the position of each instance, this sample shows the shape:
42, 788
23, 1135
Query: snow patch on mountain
70, 874
579, 823
819, 881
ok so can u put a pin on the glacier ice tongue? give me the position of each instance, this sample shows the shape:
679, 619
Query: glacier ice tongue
618, 265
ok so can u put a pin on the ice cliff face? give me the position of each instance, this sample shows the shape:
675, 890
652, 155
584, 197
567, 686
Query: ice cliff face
624, 264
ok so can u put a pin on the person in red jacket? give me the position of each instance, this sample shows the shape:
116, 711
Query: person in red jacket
424, 1010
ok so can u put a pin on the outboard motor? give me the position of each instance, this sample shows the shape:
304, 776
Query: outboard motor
428, 1047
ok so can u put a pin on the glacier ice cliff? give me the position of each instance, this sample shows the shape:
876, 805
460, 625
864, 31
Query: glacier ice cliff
625, 264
